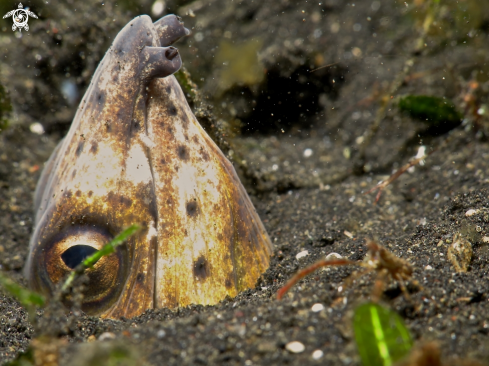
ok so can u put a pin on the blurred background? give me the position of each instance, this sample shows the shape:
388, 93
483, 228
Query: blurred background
329, 78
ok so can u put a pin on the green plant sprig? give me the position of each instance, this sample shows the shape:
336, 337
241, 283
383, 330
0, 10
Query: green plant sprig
26, 297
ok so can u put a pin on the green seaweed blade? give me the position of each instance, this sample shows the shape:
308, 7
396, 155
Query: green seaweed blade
26, 297
432, 110
380, 334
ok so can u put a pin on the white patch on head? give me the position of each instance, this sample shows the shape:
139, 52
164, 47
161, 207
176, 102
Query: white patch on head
97, 172
185, 183
137, 166
147, 141
199, 247
152, 233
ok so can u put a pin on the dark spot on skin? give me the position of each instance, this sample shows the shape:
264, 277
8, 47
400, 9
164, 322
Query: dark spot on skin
184, 120
140, 277
228, 283
176, 168
170, 130
135, 125
171, 109
162, 161
192, 209
185, 232
154, 245
126, 201
169, 201
160, 121
79, 149
168, 90
182, 152
144, 193
220, 237
153, 208
73, 175
68, 194
204, 154
111, 199
101, 97
120, 114
185, 136
195, 140
90, 193
171, 298
94, 147
201, 268
78, 193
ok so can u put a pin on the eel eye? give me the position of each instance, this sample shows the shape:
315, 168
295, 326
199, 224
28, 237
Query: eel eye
76, 254
104, 277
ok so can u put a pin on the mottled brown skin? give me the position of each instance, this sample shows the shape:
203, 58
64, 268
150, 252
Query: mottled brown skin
136, 154
243, 247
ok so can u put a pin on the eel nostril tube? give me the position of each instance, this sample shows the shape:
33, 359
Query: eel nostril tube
171, 53
170, 29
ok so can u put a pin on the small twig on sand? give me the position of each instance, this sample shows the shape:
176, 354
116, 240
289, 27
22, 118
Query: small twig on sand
381, 186
322, 67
